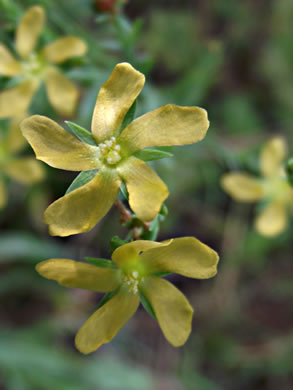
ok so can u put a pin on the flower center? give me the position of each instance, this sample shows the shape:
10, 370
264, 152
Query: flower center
32, 67
132, 279
109, 151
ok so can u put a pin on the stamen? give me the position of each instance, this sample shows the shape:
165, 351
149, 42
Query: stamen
109, 151
132, 281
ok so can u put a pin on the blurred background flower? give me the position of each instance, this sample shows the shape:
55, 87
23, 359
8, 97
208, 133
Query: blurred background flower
234, 59
273, 188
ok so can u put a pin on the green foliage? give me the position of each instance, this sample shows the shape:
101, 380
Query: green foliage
82, 179
146, 304
81, 133
152, 154
100, 262
23, 246
232, 58
128, 117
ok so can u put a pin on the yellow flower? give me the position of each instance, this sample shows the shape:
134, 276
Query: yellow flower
134, 274
35, 67
23, 169
112, 153
272, 187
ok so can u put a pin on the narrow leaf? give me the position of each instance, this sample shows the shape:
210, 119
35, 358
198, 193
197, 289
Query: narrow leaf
106, 298
124, 191
104, 263
152, 154
81, 133
153, 231
128, 117
82, 179
146, 304
162, 274
116, 242
164, 210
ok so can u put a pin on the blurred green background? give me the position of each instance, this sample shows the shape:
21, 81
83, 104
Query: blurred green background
234, 58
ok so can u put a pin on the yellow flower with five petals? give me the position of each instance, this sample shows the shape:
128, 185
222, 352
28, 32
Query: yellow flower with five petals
113, 153
25, 170
35, 67
273, 188
134, 272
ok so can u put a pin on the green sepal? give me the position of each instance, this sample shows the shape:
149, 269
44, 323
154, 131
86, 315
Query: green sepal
153, 230
124, 191
289, 170
106, 298
147, 306
162, 274
81, 133
104, 263
164, 210
152, 154
128, 117
116, 242
82, 179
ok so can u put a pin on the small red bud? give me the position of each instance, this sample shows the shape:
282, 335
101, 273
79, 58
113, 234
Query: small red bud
108, 5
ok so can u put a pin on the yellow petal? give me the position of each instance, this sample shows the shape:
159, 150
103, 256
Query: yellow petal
15, 139
80, 210
8, 64
129, 253
70, 273
57, 147
273, 220
3, 193
29, 29
147, 191
186, 256
15, 101
165, 126
106, 322
272, 156
115, 98
172, 309
64, 48
62, 93
25, 170
242, 187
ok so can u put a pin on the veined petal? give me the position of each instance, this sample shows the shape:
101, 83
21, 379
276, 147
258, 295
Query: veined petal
80, 210
3, 193
115, 98
172, 309
70, 273
8, 64
29, 29
15, 101
147, 191
128, 253
62, 93
167, 125
25, 170
64, 48
186, 256
57, 147
273, 220
242, 187
106, 322
272, 156
15, 139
